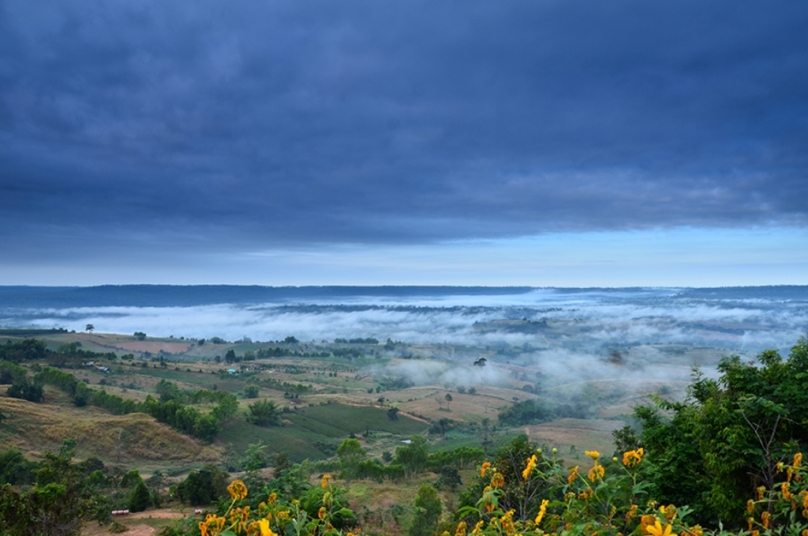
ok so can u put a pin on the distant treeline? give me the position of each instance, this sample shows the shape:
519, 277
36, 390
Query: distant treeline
24, 350
30, 332
34, 349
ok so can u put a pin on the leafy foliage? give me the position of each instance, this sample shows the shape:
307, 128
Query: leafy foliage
730, 434
203, 487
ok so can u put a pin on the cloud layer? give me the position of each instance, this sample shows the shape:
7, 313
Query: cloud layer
198, 126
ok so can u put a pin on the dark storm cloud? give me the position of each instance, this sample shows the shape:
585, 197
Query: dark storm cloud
262, 123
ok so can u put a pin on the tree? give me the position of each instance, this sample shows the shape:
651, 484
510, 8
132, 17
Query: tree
206, 427
140, 498
139, 335
282, 464
90, 328
254, 457
448, 400
444, 424
251, 391
350, 455
449, 478
392, 414
413, 457
264, 413
428, 508
203, 487
15, 469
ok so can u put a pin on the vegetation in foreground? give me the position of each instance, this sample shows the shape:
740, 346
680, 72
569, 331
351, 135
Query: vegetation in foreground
726, 460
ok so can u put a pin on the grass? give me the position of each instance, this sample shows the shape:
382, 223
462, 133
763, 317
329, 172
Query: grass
195, 378
340, 420
328, 424
35, 428
297, 443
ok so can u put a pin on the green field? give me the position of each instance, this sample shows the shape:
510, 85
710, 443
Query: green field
328, 424
339, 420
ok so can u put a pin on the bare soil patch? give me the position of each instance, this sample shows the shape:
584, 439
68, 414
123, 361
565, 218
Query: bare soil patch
134, 525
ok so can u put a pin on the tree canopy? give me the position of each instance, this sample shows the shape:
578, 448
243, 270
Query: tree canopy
726, 439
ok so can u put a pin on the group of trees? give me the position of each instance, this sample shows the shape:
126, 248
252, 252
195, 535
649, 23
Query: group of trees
25, 350
170, 408
532, 411
59, 494
714, 449
408, 461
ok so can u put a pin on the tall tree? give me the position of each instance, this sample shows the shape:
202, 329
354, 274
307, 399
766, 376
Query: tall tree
350, 455
264, 413
413, 457
428, 508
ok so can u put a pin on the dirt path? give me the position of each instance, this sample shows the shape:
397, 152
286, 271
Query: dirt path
134, 528
157, 514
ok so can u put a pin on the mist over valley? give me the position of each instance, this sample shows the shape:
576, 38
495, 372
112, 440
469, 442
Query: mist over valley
538, 337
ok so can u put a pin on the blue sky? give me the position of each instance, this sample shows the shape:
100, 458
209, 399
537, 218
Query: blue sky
546, 143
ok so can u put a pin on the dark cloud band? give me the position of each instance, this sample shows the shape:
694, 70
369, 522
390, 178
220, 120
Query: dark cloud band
307, 122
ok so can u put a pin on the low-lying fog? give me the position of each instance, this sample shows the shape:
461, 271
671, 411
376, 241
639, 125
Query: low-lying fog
740, 320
